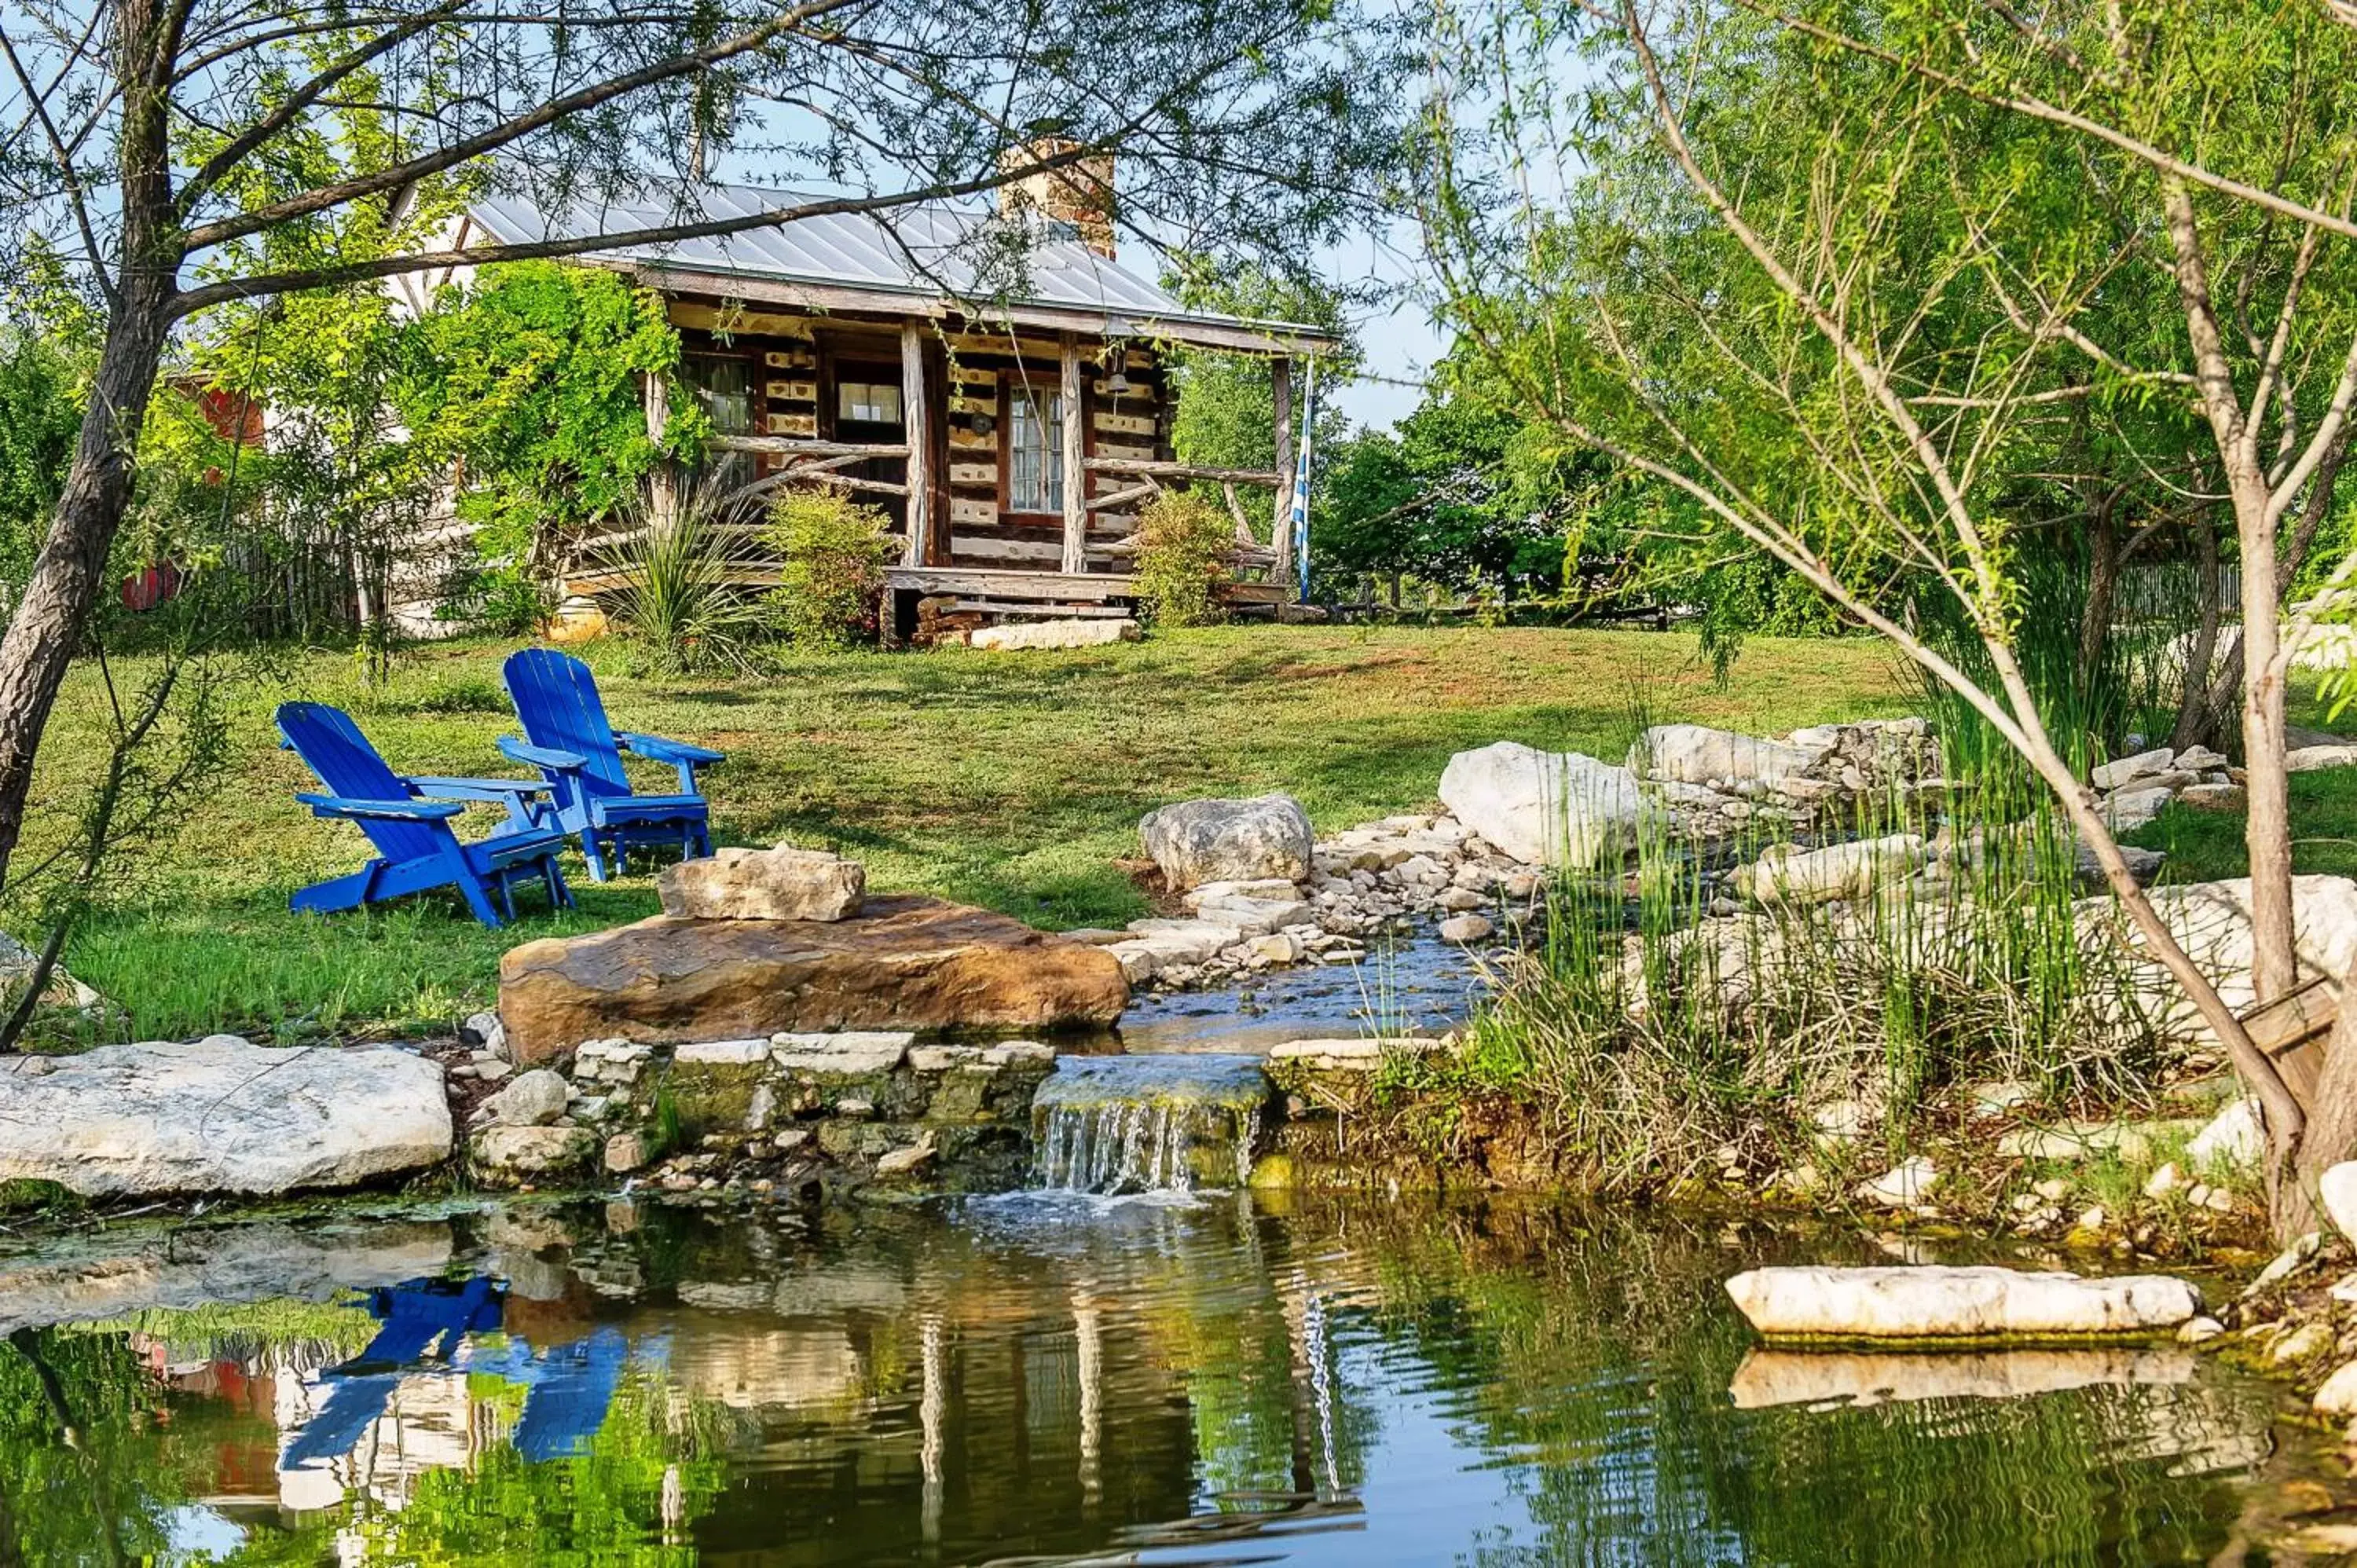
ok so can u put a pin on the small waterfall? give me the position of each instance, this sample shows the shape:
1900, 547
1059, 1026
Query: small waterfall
1148, 1124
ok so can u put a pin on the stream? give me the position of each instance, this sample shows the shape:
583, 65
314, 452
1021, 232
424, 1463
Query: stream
1409, 984
1169, 1378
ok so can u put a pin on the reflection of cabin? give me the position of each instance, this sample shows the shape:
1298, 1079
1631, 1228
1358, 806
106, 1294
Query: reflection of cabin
1010, 443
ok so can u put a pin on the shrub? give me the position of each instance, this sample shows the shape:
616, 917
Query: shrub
831, 583
1183, 543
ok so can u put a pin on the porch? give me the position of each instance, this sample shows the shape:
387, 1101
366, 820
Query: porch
1011, 456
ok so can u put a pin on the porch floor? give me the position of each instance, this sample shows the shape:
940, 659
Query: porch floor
1001, 583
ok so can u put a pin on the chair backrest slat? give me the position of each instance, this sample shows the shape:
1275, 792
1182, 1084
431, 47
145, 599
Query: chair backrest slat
332, 746
557, 701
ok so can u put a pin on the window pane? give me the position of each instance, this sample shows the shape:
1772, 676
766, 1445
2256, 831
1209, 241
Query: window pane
1035, 470
722, 386
869, 403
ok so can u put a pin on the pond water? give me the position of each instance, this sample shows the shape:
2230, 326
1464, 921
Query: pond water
1206, 1379
1409, 984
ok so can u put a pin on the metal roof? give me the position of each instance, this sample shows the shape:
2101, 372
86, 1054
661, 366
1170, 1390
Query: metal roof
934, 250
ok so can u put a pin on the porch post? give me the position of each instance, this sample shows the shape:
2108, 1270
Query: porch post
1280, 377
1076, 478
662, 484
917, 426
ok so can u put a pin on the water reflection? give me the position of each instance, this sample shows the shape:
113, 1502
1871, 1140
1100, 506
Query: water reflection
1062, 1381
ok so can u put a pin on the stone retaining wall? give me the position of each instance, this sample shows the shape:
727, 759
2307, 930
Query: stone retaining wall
807, 1115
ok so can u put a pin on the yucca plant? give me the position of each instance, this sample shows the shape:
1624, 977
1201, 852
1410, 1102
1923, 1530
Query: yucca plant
678, 603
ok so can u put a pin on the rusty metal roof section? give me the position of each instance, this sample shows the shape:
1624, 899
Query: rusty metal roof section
931, 258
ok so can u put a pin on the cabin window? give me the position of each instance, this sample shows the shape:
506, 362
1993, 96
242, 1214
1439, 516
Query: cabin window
868, 403
722, 385
1035, 453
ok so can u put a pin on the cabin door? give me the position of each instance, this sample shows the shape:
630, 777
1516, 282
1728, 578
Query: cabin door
868, 410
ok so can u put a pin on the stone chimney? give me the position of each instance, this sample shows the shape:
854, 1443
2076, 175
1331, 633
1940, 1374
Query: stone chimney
1079, 193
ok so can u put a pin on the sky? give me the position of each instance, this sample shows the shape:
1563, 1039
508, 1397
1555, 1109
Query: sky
1399, 340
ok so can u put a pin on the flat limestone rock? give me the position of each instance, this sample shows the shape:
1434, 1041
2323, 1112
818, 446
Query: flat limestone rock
780, 884
1092, 632
902, 962
1939, 1303
220, 1115
1352, 1053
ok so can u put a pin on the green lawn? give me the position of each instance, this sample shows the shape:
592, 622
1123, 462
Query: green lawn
2205, 845
1011, 780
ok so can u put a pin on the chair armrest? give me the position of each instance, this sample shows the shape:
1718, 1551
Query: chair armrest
686, 758
541, 756
434, 789
654, 748
518, 795
388, 810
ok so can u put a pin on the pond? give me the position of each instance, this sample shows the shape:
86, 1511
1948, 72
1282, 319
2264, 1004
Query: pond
1052, 1379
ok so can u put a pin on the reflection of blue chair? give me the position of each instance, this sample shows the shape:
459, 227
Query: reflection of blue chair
580, 754
571, 1387
415, 1314
407, 822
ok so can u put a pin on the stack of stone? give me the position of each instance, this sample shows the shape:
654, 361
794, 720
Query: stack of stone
2131, 791
1717, 783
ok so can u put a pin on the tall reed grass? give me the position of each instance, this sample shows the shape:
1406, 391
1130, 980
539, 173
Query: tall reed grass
1655, 1026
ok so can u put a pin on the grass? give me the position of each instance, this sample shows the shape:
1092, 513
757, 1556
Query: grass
1012, 781
2206, 845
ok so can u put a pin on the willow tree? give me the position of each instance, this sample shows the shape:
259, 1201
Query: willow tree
149, 147
1849, 281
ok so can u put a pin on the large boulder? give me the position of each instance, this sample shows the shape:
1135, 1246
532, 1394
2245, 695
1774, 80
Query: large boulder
1196, 842
902, 962
220, 1115
780, 884
1939, 1303
1696, 754
511, 1153
1544, 808
1785, 873
2212, 921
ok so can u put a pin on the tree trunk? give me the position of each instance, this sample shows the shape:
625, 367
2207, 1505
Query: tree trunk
2331, 1135
2103, 587
2267, 783
2197, 712
43, 633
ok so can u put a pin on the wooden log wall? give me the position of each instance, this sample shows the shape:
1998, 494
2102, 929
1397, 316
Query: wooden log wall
969, 376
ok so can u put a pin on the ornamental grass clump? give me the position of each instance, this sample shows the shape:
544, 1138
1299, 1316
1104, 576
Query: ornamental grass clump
1183, 544
1659, 1034
832, 553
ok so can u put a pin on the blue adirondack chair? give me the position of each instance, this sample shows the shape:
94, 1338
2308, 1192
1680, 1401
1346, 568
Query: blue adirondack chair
409, 823
567, 738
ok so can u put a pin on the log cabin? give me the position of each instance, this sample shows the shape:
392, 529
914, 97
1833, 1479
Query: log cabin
1009, 430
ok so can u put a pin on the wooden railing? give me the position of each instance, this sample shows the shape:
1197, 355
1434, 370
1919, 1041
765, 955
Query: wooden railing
1249, 553
819, 461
